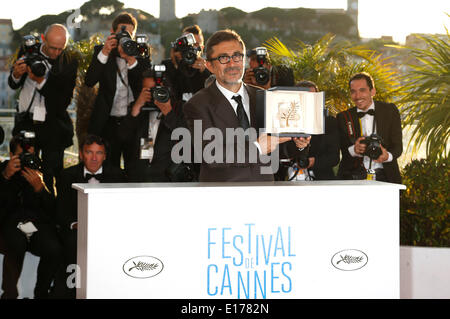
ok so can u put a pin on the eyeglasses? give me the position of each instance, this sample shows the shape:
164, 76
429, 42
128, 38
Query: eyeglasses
224, 59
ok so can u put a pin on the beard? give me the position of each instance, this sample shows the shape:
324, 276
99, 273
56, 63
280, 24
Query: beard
231, 81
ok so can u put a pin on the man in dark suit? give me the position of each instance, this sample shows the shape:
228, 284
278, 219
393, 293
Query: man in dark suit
119, 76
358, 123
149, 126
89, 170
224, 106
44, 99
27, 218
187, 77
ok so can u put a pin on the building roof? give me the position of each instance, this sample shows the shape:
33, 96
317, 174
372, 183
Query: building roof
6, 21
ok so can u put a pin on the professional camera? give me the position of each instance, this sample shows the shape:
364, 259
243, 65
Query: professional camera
262, 74
28, 159
159, 92
373, 149
186, 45
124, 39
32, 55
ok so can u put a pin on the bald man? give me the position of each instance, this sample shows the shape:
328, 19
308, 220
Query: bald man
43, 100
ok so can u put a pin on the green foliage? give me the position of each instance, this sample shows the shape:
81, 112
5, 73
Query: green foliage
427, 102
84, 96
230, 14
330, 65
425, 205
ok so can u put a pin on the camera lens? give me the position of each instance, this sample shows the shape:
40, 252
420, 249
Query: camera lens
38, 68
129, 46
161, 94
261, 75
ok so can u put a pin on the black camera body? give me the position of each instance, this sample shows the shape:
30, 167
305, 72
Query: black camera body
373, 148
186, 45
32, 56
138, 48
28, 159
262, 74
159, 92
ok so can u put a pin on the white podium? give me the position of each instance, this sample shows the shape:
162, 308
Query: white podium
284, 240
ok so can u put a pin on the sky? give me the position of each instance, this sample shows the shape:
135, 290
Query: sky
396, 18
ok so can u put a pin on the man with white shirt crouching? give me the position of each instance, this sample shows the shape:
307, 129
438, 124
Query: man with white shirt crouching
93, 152
370, 135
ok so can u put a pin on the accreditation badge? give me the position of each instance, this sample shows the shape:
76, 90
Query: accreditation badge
147, 149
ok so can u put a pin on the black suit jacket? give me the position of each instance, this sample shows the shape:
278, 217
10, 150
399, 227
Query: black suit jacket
213, 109
134, 128
106, 76
19, 201
325, 150
56, 131
388, 126
66, 201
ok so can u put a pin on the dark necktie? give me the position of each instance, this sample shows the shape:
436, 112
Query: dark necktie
96, 176
370, 112
242, 116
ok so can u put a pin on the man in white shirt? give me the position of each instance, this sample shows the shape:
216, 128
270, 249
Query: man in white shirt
358, 123
120, 77
44, 98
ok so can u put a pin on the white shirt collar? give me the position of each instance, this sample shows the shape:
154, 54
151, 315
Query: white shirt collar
229, 94
85, 171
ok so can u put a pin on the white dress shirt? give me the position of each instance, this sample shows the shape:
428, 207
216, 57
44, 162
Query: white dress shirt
27, 92
229, 96
124, 94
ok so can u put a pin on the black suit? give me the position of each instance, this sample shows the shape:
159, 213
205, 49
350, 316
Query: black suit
388, 126
135, 128
101, 123
181, 83
56, 132
325, 150
211, 107
67, 212
20, 203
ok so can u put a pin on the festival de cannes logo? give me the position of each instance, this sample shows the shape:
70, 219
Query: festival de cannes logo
143, 267
350, 259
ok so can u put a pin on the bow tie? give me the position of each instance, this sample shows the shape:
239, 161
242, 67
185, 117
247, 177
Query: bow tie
96, 176
370, 112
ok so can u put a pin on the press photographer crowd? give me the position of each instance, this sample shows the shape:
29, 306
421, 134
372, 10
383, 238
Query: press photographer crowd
129, 138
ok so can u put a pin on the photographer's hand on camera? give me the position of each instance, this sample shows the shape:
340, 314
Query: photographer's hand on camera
165, 108
19, 68
34, 178
249, 78
144, 97
383, 157
199, 64
110, 44
12, 168
360, 148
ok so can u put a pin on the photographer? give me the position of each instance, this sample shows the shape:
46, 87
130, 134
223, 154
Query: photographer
149, 126
46, 75
186, 69
27, 219
370, 135
119, 76
263, 74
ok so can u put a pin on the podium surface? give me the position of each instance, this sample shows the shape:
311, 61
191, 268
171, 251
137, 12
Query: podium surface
322, 239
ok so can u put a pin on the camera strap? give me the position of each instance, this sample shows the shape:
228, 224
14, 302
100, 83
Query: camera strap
31, 102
